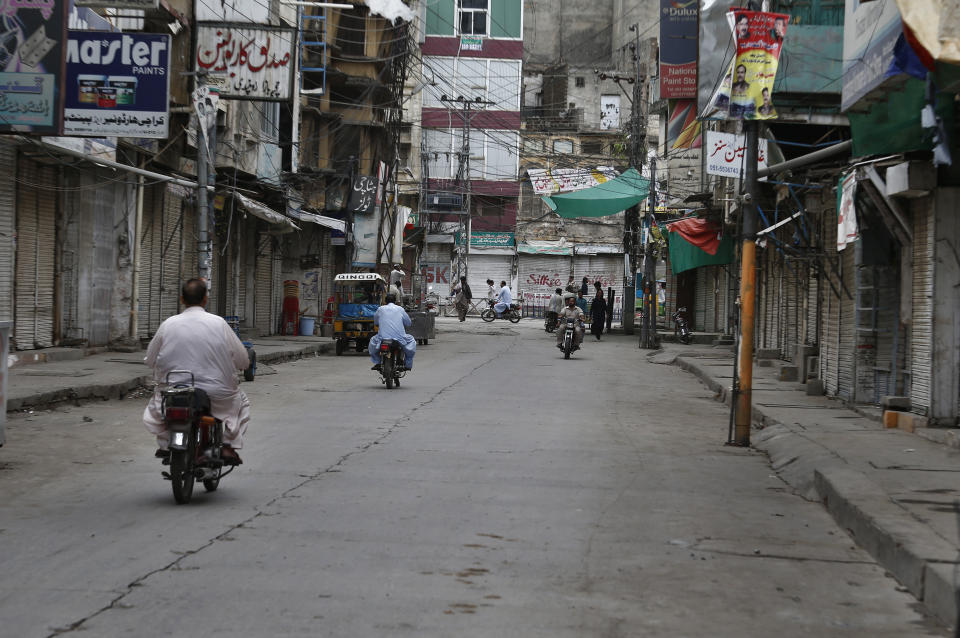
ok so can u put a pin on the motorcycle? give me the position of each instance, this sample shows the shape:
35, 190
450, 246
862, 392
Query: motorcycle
196, 439
682, 329
569, 338
512, 313
392, 363
550, 321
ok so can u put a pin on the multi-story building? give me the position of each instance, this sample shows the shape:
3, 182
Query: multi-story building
472, 54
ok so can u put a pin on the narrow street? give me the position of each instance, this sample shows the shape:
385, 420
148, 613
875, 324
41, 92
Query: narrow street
501, 491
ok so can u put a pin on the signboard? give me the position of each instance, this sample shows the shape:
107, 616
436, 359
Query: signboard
117, 84
678, 48
482, 239
438, 273
471, 43
870, 32
31, 65
726, 154
256, 62
547, 181
745, 91
363, 194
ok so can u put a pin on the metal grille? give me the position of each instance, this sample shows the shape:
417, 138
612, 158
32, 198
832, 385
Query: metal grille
8, 158
36, 255
921, 335
263, 294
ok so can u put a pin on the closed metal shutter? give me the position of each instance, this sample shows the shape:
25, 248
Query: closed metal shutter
482, 267
150, 249
263, 293
8, 189
171, 254
36, 255
703, 295
846, 353
437, 253
541, 275
831, 292
921, 334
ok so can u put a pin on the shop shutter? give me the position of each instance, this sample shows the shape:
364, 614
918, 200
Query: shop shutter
921, 339
812, 316
36, 255
539, 277
263, 292
699, 316
831, 292
149, 257
846, 352
482, 267
607, 268
171, 254
8, 189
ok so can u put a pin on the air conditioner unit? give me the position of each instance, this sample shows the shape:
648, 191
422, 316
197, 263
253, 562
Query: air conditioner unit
445, 201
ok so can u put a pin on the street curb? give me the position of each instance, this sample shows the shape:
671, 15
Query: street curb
118, 389
921, 561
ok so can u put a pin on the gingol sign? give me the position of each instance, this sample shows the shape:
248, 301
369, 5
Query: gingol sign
104, 52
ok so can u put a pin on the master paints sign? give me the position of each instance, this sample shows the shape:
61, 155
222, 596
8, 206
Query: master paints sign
117, 84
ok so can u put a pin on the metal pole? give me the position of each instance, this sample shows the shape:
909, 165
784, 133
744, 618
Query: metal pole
649, 331
203, 256
748, 288
135, 284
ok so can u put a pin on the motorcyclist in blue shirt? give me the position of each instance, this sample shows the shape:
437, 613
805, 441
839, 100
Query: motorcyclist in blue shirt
392, 321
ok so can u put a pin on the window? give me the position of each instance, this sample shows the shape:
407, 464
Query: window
562, 146
533, 146
472, 16
581, 82
350, 33
592, 147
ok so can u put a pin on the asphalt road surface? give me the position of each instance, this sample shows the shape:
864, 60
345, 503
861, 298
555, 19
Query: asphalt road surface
500, 491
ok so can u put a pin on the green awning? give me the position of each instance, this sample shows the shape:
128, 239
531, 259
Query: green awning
686, 256
601, 200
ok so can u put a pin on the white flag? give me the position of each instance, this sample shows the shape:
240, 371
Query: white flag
847, 211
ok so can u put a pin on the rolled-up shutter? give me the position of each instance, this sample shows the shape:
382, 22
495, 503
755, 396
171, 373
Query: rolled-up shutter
482, 267
8, 158
36, 255
831, 292
846, 353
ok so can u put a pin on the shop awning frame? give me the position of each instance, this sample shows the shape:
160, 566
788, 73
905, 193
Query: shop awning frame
259, 210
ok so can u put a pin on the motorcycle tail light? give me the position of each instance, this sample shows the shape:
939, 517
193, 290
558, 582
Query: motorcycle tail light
384, 347
178, 414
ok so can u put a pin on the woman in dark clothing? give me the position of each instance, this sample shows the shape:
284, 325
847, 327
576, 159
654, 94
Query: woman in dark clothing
584, 287
598, 315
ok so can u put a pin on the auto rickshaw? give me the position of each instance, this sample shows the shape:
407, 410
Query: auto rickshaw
356, 297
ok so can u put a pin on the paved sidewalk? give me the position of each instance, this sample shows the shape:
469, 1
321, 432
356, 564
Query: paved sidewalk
111, 375
896, 493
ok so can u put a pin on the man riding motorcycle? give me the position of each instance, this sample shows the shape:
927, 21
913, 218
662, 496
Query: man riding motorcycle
570, 311
391, 320
504, 299
205, 345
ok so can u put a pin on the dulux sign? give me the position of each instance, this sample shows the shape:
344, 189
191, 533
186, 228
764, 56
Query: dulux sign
117, 84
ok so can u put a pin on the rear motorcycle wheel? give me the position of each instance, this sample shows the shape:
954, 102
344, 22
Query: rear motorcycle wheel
181, 475
488, 315
514, 316
387, 372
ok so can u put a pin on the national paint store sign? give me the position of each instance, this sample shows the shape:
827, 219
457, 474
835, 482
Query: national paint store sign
117, 84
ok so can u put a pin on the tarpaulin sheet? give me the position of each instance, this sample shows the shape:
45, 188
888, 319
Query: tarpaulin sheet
685, 256
604, 199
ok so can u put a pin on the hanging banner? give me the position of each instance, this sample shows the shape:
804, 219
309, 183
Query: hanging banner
683, 127
546, 181
847, 231
726, 154
746, 90
31, 65
205, 101
117, 84
678, 49
255, 62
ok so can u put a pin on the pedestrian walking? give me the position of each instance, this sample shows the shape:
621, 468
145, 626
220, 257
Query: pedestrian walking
462, 297
584, 287
581, 302
598, 314
662, 299
571, 287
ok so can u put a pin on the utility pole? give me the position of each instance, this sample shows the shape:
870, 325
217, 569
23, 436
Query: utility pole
748, 289
631, 236
206, 146
648, 332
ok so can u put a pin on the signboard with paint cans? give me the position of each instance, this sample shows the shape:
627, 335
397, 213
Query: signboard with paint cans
117, 84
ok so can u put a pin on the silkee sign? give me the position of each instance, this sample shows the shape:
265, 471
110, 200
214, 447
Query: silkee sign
254, 62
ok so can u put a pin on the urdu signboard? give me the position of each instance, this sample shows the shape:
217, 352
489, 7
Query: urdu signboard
31, 65
256, 62
117, 84
726, 154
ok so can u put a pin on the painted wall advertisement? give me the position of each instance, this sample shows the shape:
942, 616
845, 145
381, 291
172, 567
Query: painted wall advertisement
546, 181
678, 48
31, 64
726, 154
255, 63
117, 84
746, 91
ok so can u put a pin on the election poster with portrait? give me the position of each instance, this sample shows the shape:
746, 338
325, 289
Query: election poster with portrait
746, 91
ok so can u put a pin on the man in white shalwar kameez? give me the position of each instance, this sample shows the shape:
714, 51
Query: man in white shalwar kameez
204, 344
